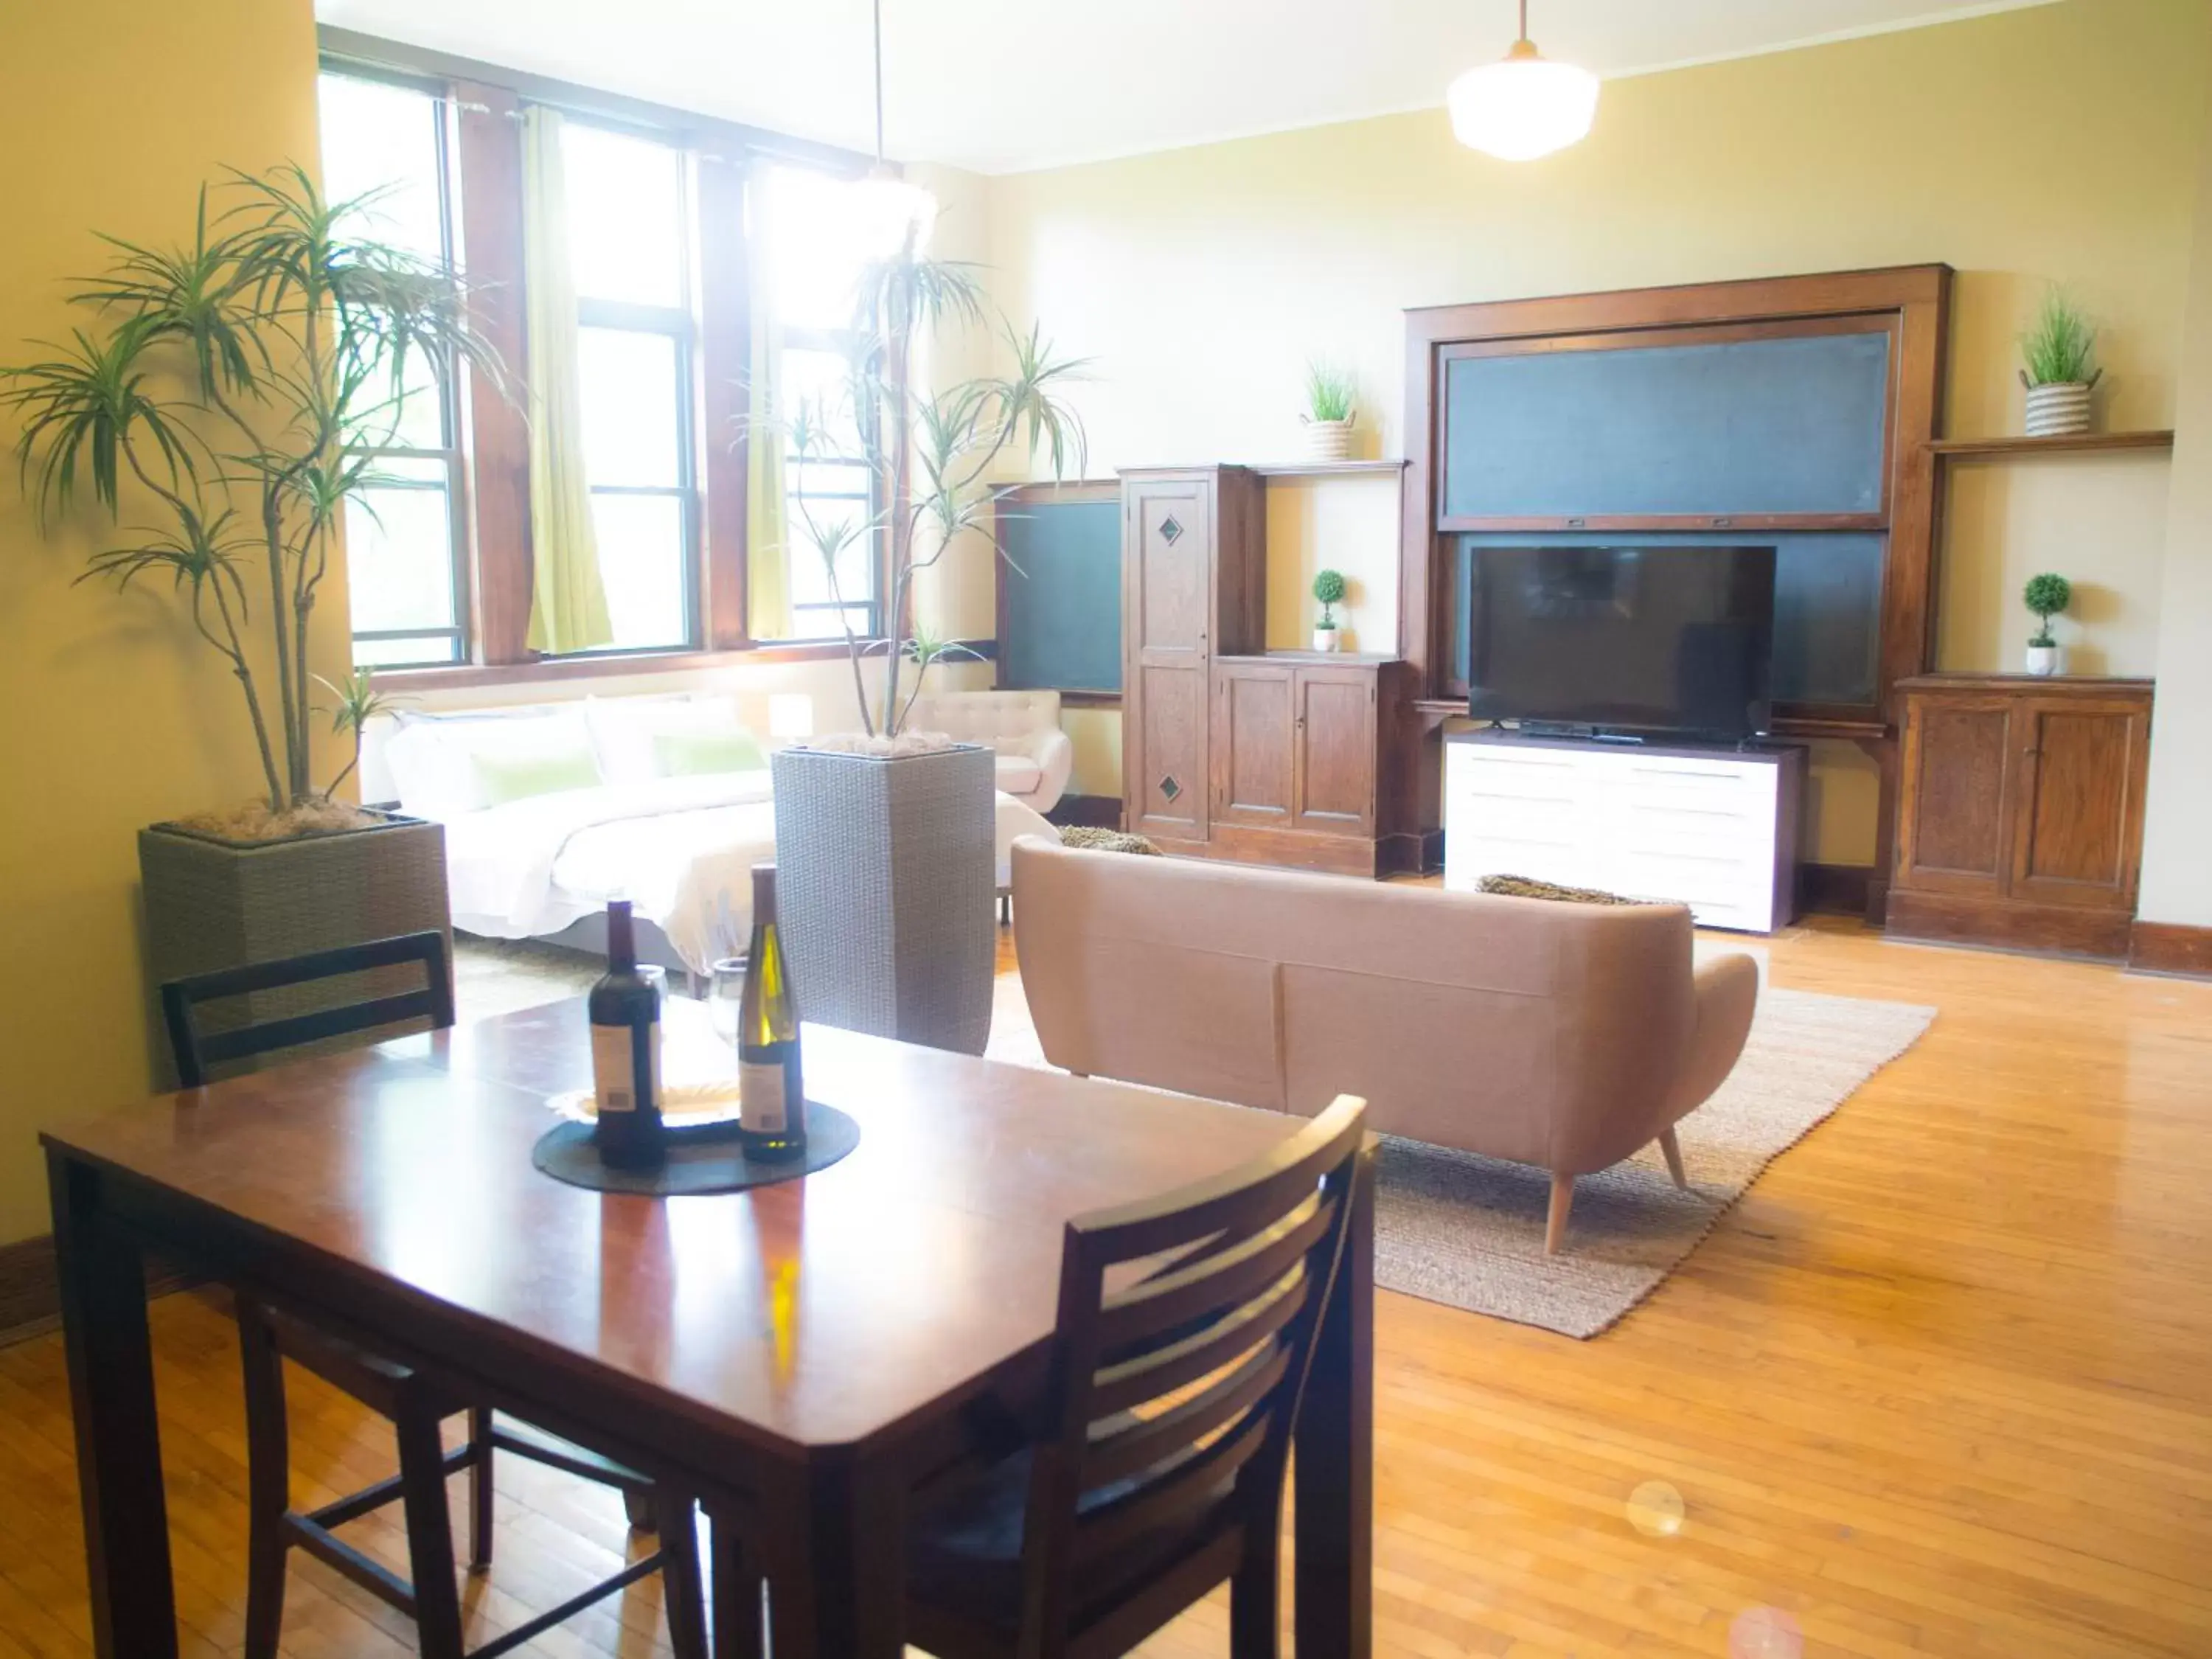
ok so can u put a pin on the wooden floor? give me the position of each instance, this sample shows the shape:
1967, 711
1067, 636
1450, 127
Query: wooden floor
1941, 1384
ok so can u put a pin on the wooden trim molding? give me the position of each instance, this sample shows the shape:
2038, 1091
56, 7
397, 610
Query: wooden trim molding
470, 676
2170, 947
30, 1294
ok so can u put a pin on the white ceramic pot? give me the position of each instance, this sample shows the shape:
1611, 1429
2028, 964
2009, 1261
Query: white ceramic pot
1329, 440
1329, 639
2046, 659
2057, 410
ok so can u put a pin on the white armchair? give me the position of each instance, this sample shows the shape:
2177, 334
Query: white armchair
1021, 727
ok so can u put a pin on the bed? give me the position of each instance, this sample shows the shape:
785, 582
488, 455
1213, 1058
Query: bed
551, 811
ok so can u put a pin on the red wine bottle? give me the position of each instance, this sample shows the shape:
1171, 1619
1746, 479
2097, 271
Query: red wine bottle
771, 1089
625, 1014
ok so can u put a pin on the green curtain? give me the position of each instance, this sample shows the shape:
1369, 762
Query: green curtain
767, 552
569, 599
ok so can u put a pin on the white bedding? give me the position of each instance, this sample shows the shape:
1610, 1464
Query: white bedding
680, 849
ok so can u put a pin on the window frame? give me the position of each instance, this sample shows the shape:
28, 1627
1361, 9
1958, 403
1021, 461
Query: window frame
451, 455
840, 342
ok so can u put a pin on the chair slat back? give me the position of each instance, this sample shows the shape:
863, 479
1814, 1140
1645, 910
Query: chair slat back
1186, 1330
195, 1050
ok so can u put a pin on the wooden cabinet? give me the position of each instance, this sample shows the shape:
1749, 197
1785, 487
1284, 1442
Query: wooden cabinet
2020, 812
1299, 769
1193, 583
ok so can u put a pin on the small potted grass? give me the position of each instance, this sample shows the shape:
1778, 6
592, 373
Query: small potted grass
2057, 368
1331, 408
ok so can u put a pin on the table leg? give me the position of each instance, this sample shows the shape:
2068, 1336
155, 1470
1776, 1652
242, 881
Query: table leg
118, 1446
837, 1579
1335, 1453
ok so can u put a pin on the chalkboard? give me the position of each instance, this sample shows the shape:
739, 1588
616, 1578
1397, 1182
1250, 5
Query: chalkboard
1791, 425
1059, 617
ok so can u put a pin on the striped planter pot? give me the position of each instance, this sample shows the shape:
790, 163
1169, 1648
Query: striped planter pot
2057, 410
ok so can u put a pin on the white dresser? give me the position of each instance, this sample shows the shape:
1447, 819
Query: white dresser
1713, 828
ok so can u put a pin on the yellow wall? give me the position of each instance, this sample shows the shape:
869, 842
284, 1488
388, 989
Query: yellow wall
2177, 841
112, 112
2055, 143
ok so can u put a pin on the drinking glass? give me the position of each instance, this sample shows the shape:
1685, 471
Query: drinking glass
725, 995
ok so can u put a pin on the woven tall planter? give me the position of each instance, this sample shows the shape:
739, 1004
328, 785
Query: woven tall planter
213, 904
885, 891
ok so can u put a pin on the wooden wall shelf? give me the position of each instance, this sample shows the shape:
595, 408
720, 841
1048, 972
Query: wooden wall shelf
1324, 469
2074, 443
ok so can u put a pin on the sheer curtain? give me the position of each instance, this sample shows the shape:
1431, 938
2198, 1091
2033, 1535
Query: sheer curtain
768, 579
568, 600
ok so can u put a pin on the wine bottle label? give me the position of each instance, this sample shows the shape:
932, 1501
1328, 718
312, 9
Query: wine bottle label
760, 1108
614, 1067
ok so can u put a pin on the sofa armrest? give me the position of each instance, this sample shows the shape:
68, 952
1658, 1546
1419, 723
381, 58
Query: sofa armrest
1055, 754
1727, 993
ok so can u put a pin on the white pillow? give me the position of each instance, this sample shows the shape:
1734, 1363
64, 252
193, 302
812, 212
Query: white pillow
432, 757
623, 730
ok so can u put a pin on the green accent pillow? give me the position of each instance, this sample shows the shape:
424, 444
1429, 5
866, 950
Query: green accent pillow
504, 778
686, 753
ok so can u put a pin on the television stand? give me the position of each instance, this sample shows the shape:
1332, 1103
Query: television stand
1714, 827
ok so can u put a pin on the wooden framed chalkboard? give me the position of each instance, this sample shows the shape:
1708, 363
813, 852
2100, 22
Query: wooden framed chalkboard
1060, 589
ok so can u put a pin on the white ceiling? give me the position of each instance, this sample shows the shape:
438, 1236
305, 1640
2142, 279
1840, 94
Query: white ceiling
1006, 85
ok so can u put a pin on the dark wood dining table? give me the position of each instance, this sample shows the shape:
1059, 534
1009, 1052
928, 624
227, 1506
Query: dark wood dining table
805, 1358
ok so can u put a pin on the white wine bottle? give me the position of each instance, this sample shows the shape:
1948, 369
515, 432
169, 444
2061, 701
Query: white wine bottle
625, 1015
771, 1089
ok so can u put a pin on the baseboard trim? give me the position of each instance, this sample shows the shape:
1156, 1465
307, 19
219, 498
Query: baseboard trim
30, 1294
2170, 947
2050, 930
1834, 890
1087, 812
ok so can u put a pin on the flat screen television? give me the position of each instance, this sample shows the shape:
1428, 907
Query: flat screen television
1637, 640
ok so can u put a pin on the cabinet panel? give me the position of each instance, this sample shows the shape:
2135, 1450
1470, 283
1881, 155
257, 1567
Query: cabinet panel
1166, 771
1336, 749
1172, 570
2079, 826
1957, 762
1253, 726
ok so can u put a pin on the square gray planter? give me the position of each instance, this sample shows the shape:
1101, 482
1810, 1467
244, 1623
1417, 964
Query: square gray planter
884, 891
213, 904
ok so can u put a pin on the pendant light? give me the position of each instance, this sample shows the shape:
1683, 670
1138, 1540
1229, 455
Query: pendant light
897, 216
1525, 105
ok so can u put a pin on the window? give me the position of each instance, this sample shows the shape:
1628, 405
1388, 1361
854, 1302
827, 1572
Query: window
628, 240
817, 250
386, 142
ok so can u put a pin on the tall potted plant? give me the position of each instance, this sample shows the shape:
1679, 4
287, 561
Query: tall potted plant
2057, 371
884, 883
233, 391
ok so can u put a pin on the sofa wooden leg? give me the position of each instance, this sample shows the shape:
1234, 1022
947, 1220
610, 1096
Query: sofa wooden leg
1671, 1149
1555, 1223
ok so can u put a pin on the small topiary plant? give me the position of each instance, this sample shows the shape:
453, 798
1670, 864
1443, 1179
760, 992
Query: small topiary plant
2047, 596
1328, 589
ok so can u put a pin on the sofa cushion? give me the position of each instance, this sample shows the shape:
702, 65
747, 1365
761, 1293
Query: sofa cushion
1529, 887
1017, 773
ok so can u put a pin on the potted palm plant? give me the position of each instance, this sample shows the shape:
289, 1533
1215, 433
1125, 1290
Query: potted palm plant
2056, 369
885, 838
223, 404
1331, 407
1329, 590
2047, 596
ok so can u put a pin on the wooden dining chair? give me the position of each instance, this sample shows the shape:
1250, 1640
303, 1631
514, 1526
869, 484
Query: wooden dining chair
417, 1404
1186, 1330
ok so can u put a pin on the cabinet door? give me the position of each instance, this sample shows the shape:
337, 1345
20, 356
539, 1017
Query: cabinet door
1253, 720
1167, 548
1956, 831
1333, 779
2079, 825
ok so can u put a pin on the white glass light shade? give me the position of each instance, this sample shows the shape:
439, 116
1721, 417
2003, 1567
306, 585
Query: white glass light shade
1522, 107
890, 210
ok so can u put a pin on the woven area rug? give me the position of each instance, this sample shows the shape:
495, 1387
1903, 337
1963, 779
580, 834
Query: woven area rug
1469, 1231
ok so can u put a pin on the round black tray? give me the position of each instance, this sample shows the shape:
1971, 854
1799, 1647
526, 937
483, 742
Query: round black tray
706, 1159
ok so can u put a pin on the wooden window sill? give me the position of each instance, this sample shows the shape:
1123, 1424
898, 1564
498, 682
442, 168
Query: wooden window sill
465, 676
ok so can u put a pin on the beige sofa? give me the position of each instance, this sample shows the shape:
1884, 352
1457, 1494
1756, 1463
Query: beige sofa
1564, 1035
1022, 728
